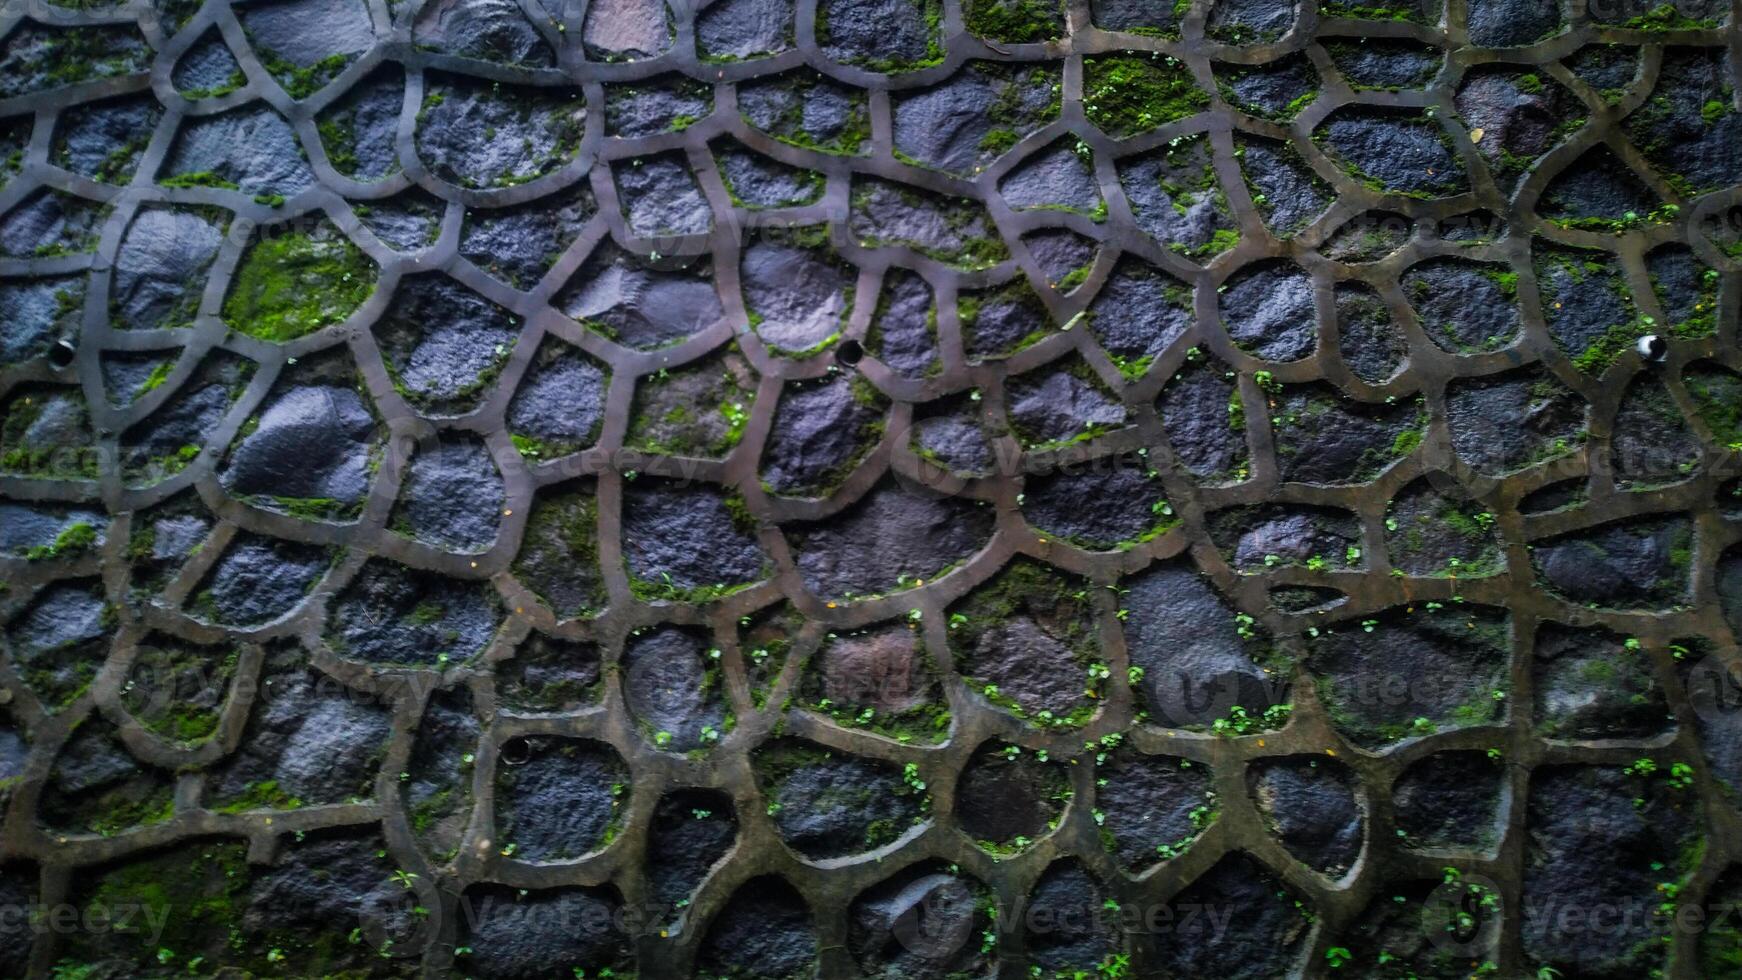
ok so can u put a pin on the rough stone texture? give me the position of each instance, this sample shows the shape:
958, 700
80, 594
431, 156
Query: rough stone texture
254, 149
556, 797
1068, 893
1259, 943
1451, 800
1269, 312
641, 304
661, 199
514, 933
1005, 799
691, 831
312, 442
665, 526
812, 493
518, 245
926, 920
893, 532
1638, 564
1099, 505
1407, 673
671, 685
819, 432
394, 614
452, 498
1192, 684
1311, 806
764, 929
830, 805
1577, 814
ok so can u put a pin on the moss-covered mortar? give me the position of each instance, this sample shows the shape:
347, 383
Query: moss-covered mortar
645, 491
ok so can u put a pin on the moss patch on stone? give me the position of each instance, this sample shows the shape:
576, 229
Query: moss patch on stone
1129, 94
292, 284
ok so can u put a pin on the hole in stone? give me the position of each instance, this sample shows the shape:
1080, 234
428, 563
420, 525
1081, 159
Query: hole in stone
1653, 347
62, 353
849, 352
516, 752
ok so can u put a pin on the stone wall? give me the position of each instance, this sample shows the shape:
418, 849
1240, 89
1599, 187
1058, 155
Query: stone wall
907, 488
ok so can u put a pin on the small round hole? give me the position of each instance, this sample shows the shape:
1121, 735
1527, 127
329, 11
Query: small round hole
62, 353
850, 352
1653, 347
516, 752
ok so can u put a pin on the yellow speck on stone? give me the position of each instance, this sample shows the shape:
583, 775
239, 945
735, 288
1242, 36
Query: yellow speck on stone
1261, 743
508, 513
1330, 751
831, 605
1476, 135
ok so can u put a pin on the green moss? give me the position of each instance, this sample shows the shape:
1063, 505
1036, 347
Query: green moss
1074, 278
295, 283
559, 554
931, 11
1717, 397
534, 449
1606, 349
263, 795
1018, 293
72, 539
698, 412
117, 166
228, 85
664, 590
199, 178
1015, 21
57, 462
999, 140
70, 55
849, 138
142, 542
197, 893
300, 82
1124, 95
182, 694
973, 240
338, 135
316, 508
1365, 12
119, 814
156, 378
1059, 606
1506, 279
1665, 17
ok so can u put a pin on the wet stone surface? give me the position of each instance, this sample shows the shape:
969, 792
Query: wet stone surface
876, 487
